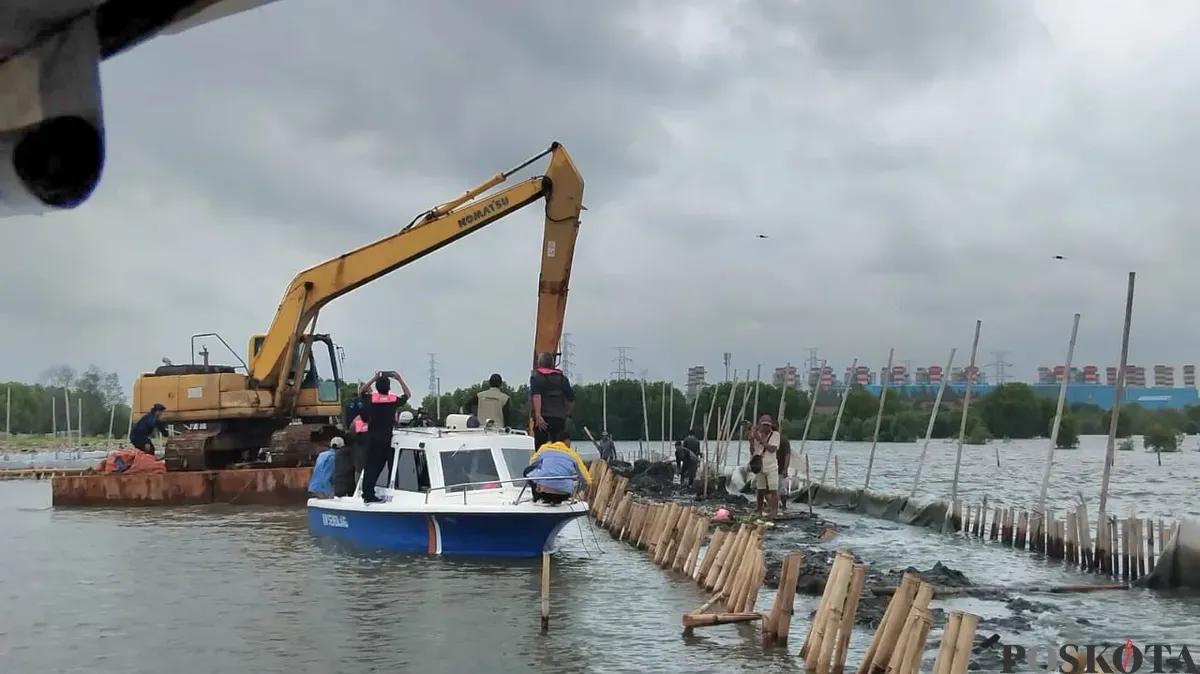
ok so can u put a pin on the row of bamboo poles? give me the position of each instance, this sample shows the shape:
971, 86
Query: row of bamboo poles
1128, 549
732, 568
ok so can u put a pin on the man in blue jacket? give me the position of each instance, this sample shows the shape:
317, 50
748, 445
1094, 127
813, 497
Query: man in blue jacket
139, 434
555, 471
320, 484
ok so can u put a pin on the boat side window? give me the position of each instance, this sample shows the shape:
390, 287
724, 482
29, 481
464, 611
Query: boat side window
516, 460
469, 469
412, 474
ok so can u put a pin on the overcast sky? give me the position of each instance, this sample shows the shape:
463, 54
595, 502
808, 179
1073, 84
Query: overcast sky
915, 164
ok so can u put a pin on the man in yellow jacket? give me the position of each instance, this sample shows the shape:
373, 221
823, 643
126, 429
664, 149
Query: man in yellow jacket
555, 471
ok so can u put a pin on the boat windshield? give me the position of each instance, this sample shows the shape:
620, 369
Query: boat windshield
516, 460
469, 469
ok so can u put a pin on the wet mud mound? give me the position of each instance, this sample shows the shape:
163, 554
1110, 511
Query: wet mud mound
657, 479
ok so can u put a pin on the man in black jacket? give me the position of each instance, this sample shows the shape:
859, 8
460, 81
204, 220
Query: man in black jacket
139, 434
553, 400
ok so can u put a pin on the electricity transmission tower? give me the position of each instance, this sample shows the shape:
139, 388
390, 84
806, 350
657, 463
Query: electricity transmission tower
565, 349
433, 374
999, 367
623, 364
727, 358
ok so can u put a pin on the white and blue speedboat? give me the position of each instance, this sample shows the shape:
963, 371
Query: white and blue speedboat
449, 491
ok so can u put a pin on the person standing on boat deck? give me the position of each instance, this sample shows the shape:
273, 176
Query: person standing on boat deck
764, 444
553, 400
140, 433
491, 404
607, 448
555, 471
379, 412
784, 456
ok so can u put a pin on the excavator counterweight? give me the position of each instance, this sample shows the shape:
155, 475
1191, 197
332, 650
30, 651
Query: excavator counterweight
282, 402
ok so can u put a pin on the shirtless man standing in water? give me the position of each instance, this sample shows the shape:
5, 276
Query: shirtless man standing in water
764, 442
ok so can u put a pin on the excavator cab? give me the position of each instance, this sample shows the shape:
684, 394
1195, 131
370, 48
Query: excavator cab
321, 383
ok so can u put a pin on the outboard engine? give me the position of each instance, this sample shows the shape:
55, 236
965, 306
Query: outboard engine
51, 126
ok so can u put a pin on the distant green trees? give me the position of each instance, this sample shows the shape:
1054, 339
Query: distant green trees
42, 407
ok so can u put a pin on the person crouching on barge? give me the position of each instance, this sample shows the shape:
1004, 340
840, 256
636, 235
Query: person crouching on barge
555, 471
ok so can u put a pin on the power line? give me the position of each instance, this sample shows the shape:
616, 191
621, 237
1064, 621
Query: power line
433, 373
623, 364
565, 348
999, 367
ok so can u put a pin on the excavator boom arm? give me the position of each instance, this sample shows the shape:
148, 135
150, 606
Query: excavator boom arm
313, 288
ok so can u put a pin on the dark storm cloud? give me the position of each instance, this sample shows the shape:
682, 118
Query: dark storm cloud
915, 166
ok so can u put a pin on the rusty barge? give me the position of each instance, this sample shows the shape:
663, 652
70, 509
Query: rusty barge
247, 486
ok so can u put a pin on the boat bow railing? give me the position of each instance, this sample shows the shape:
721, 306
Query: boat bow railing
511, 480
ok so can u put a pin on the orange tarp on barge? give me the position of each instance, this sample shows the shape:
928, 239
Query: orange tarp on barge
129, 462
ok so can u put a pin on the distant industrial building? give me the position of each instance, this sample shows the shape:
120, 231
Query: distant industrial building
786, 377
1189, 375
1164, 375
1100, 395
695, 379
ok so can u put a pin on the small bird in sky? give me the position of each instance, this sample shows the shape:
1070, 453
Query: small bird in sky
1059, 257
763, 236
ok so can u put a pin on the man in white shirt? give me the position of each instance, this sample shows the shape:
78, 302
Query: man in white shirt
764, 443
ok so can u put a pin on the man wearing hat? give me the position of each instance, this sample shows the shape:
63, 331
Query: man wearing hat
764, 444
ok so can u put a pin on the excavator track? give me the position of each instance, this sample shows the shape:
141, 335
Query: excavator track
299, 444
186, 450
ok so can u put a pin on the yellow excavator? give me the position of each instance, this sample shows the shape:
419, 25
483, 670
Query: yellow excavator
279, 401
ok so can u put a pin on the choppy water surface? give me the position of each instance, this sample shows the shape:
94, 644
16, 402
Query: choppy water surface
200, 590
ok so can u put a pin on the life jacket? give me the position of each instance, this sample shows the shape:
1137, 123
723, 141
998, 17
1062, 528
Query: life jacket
550, 385
490, 405
377, 397
360, 426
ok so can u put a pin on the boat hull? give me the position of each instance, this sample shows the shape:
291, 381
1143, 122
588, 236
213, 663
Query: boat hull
518, 534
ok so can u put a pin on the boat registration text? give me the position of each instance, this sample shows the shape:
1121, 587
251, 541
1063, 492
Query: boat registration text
334, 521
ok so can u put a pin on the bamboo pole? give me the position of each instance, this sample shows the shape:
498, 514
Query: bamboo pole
1111, 454
964, 639
645, 417
1058, 415
779, 621
662, 420
545, 591
79, 419
734, 426
112, 415
945, 654
757, 382
812, 406
604, 406
897, 609
695, 403
54, 416
837, 423
879, 418
937, 404
671, 414
67, 410
962, 426
8, 413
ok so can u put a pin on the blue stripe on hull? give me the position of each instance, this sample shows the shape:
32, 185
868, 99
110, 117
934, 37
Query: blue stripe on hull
468, 534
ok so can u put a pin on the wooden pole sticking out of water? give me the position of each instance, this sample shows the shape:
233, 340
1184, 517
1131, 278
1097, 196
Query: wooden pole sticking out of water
1111, 455
812, 405
735, 426
604, 406
879, 417
937, 405
837, 423
645, 417
67, 410
79, 419
8, 413
695, 403
757, 381
723, 428
962, 426
112, 416
670, 411
1058, 414
54, 416
662, 420
545, 591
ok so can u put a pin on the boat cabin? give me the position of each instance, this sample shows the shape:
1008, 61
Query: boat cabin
452, 463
